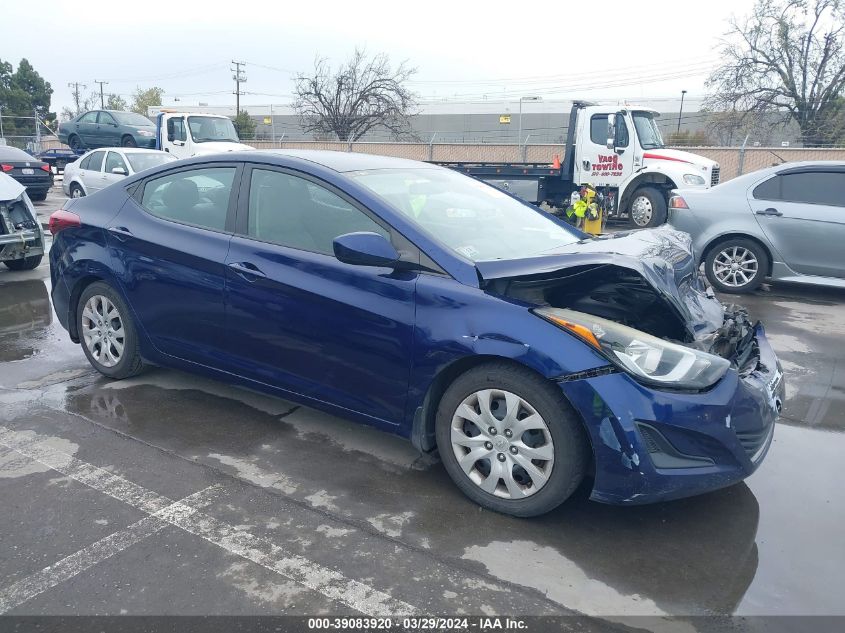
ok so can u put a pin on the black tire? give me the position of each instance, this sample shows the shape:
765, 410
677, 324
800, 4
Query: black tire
128, 141
130, 363
570, 443
27, 263
76, 187
656, 205
75, 143
724, 249
41, 196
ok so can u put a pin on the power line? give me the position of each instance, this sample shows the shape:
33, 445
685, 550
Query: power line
239, 77
102, 103
77, 93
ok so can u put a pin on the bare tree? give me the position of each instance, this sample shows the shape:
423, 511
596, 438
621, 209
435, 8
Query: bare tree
362, 94
787, 57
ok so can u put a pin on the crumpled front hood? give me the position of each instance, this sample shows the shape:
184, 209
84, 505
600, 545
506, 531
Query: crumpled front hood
662, 256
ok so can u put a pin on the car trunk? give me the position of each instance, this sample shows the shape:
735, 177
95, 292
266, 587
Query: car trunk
645, 279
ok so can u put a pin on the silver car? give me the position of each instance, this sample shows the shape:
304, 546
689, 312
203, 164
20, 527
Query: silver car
100, 168
786, 223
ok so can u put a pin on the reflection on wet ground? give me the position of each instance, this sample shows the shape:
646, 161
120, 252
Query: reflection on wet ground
772, 545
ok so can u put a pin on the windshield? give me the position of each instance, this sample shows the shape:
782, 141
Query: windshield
140, 162
131, 118
647, 130
210, 128
473, 219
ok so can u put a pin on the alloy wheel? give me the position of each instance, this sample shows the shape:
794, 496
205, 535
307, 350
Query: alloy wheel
102, 331
502, 444
735, 266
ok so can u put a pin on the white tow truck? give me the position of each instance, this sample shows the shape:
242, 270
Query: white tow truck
186, 134
619, 152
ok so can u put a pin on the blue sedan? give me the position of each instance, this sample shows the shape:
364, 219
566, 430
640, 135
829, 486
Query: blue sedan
532, 357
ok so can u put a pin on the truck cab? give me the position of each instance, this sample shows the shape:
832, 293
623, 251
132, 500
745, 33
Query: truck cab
622, 151
186, 134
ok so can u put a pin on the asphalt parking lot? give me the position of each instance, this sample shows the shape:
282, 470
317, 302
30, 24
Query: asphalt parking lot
171, 494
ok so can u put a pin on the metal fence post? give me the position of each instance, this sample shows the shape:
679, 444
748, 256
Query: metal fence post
525, 149
741, 165
431, 147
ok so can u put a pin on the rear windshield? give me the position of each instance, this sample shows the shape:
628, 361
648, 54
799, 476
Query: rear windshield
13, 153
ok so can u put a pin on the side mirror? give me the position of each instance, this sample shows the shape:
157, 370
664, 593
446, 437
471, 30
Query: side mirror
118, 170
364, 248
611, 131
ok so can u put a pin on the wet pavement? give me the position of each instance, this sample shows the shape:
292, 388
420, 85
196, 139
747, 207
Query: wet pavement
168, 493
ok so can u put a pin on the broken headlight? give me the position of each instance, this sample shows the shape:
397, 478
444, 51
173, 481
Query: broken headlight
646, 357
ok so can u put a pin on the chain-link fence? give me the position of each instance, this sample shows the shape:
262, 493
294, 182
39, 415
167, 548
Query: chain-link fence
27, 133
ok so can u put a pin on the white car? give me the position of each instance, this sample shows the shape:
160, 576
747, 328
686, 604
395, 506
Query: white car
101, 167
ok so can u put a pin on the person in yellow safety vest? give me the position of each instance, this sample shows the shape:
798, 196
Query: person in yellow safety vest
585, 211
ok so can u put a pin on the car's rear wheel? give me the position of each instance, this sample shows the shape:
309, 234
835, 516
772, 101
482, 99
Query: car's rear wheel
75, 142
25, 263
128, 141
76, 191
108, 335
647, 208
510, 440
736, 266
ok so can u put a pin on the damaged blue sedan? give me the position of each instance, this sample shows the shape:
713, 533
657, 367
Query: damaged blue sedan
532, 357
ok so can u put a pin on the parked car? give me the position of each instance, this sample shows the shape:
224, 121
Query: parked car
32, 173
57, 157
786, 223
100, 168
428, 304
21, 237
107, 128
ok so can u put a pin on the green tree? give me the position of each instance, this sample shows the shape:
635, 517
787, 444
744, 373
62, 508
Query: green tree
21, 93
142, 99
116, 102
244, 125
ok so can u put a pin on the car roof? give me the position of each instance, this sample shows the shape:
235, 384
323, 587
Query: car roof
346, 161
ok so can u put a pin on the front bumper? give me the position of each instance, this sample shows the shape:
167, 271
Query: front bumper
145, 141
652, 445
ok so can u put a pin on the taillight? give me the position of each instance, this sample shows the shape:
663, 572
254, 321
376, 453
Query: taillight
6, 167
61, 220
45, 167
677, 202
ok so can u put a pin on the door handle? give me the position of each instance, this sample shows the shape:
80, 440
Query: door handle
245, 268
120, 232
769, 211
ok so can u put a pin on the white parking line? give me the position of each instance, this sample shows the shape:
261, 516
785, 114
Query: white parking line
329, 582
73, 565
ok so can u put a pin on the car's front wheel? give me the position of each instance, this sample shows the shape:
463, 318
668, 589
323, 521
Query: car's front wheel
108, 335
736, 266
128, 141
510, 440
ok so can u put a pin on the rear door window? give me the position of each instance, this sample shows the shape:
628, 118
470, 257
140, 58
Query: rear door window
95, 161
814, 187
200, 197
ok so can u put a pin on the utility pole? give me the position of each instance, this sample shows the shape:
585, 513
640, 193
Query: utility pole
77, 93
239, 77
681, 111
102, 103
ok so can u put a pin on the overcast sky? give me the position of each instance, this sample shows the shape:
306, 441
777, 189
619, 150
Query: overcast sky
463, 50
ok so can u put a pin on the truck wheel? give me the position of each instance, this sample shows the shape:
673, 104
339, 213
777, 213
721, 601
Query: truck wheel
128, 141
75, 142
647, 208
27, 263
